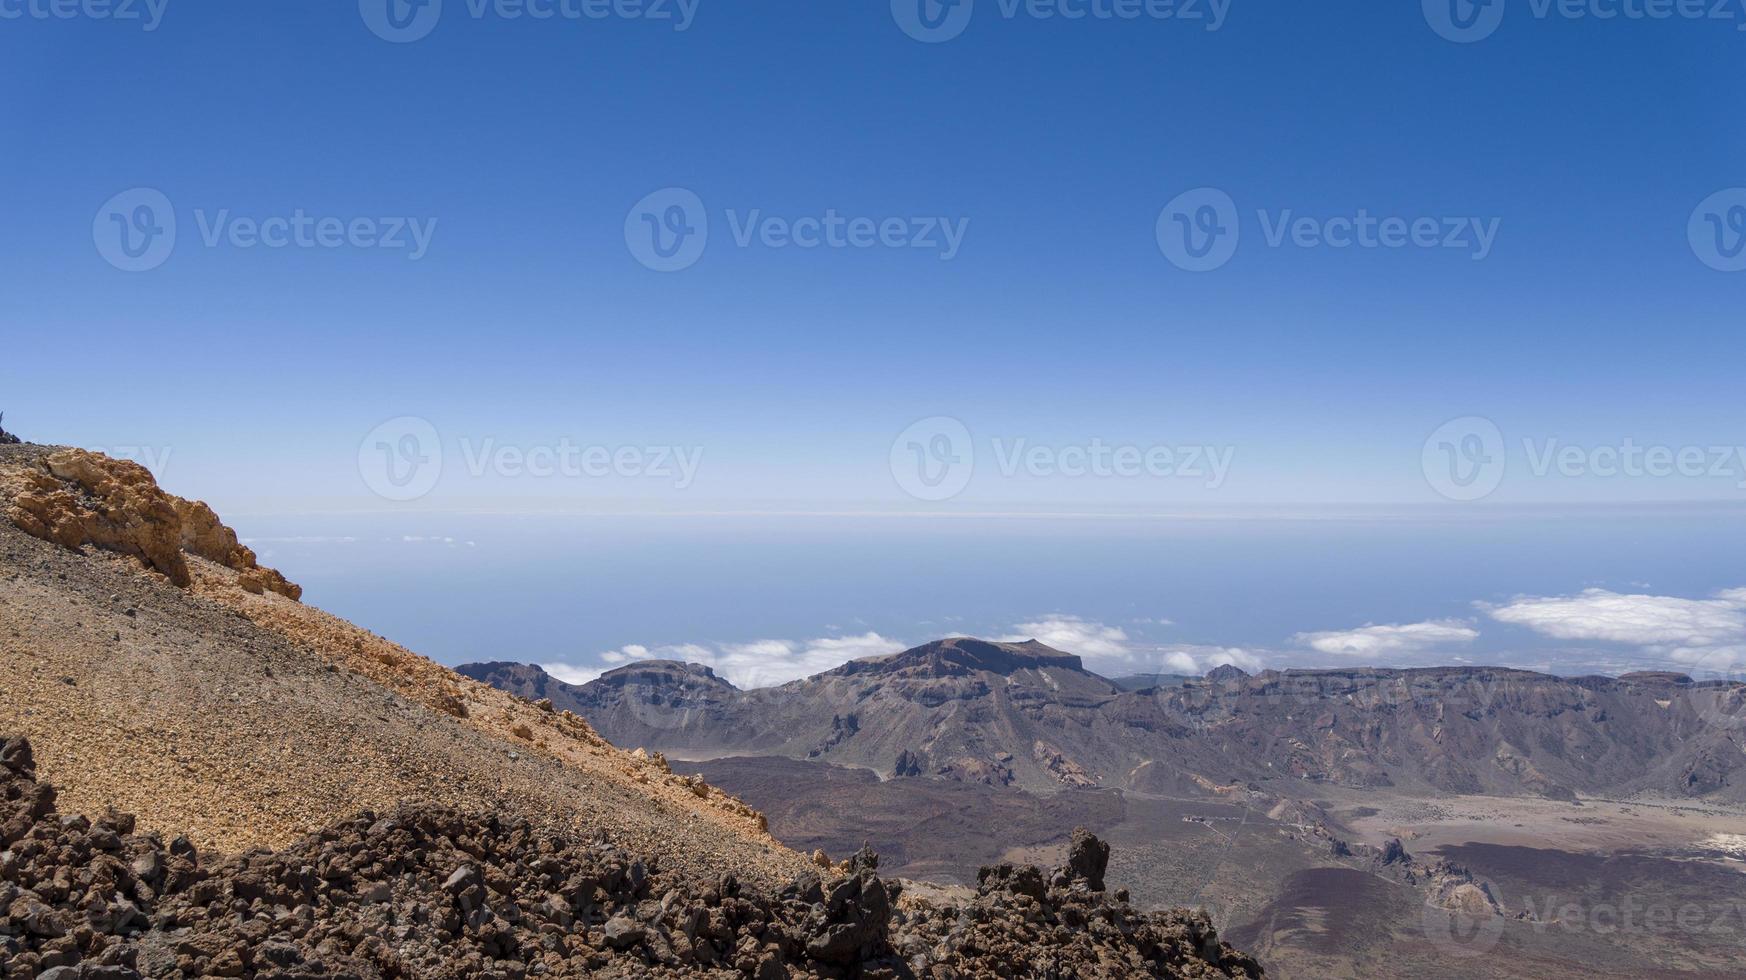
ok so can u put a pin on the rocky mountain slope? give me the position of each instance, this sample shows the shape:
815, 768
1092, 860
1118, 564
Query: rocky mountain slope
154, 678
337, 806
1026, 715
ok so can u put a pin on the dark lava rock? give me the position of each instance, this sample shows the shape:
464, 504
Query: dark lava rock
1394, 852
436, 894
1087, 859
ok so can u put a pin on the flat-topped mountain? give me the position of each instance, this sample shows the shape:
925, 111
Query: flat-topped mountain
962, 655
1028, 715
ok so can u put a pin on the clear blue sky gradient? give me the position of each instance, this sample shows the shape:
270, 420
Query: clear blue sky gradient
1060, 321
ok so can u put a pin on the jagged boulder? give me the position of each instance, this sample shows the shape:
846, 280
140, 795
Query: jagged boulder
908, 764
1019, 926
853, 922
203, 534
77, 498
1087, 859
1394, 852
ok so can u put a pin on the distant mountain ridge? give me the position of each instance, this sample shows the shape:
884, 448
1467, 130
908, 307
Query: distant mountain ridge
1025, 714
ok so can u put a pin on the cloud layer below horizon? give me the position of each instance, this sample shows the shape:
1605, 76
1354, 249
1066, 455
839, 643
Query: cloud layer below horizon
1708, 635
1701, 635
1394, 640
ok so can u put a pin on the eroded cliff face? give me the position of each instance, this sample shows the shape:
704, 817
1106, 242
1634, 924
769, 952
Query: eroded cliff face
1021, 714
79, 499
959, 708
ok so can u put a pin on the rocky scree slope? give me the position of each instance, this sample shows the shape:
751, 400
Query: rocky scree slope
431, 892
241, 718
1026, 715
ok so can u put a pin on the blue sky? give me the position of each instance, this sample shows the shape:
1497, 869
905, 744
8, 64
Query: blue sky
1568, 160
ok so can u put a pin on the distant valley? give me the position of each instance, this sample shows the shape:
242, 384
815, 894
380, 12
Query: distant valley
1337, 821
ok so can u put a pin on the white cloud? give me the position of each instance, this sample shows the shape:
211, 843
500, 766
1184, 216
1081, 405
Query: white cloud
759, 663
759, 650
1110, 651
1180, 662
1070, 634
1709, 633
1392, 640
571, 673
1193, 659
1233, 656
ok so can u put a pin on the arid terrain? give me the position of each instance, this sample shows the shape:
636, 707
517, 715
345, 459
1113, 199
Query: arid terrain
203, 776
